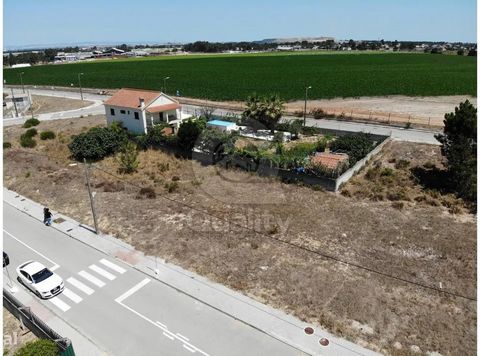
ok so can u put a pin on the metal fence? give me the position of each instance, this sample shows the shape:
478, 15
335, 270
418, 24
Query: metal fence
35, 324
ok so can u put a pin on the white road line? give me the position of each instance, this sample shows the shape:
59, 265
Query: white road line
182, 337
85, 289
59, 304
132, 290
102, 272
137, 287
169, 336
69, 294
55, 265
113, 266
189, 348
91, 279
159, 323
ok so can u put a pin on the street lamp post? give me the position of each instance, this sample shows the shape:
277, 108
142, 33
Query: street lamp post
165, 84
80, 85
305, 108
21, 81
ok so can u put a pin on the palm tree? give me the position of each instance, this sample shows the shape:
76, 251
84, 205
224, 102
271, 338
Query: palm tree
266, 110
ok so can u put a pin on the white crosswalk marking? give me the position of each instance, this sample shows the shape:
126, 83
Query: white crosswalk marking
59, 304
85, 289
112, 266
91, 279
102, 272
69, 294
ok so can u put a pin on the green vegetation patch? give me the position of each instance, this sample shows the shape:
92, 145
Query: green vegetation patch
236, 77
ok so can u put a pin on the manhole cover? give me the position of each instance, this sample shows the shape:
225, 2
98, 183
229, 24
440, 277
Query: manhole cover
308, 330
324, 341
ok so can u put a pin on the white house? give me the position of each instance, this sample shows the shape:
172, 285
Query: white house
139, 110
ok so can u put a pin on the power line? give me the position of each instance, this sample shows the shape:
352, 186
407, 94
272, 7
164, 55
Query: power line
334, 258
306, 249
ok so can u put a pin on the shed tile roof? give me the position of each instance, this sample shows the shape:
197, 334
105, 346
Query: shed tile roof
129, 98
330, 160
162, 108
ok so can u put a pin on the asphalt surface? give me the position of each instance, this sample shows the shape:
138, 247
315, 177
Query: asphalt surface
123, 310
398, 133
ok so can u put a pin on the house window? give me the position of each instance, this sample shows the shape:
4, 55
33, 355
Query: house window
112, 111
122, 111
136, 115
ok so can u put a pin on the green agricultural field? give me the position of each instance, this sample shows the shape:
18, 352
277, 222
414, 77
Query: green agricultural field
234, 77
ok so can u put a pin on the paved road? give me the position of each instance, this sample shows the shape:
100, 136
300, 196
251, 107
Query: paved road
411, 135
95, 109
121, 309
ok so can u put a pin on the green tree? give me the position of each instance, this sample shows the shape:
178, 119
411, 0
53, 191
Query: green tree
295, 127
214, 141
188, 133
266, 110
128, 158
459, 146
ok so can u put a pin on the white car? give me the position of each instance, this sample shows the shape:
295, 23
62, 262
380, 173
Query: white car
43, 282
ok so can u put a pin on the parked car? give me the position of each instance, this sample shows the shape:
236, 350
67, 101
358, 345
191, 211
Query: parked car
6, 259
39, 279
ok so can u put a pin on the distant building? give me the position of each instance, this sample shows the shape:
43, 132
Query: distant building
21, 65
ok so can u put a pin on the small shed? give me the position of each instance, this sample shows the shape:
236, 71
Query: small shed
224, 126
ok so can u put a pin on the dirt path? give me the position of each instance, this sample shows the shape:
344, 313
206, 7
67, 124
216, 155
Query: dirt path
421, 111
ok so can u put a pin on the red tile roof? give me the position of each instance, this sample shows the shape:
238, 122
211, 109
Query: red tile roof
129, 98
330, 160
161, 108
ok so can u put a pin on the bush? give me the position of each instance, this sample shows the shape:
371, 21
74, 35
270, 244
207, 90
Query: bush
298, 113
278, 137
38, 347
97, 143
7, 145
387, 172
398, 205
27, 141
31, 132
47, 135
128, 158
171, 186
147, 192
31, 122
402, 164
318, 113
356, 145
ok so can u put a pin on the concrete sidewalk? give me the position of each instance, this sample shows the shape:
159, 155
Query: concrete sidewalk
81, 344
271, 321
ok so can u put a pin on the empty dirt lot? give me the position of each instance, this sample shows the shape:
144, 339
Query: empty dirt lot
419, 111
367, 268
46, 104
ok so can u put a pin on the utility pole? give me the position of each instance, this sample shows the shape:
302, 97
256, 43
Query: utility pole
87, 178
165, 84
31, 103
305, 108
21, 80
80, 85
14, 103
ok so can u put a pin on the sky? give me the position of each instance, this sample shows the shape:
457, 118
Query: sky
50, 22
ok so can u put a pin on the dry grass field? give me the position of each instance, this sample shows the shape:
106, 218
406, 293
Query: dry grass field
361, 263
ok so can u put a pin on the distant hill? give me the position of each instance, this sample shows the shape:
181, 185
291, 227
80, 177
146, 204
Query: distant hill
295, 39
